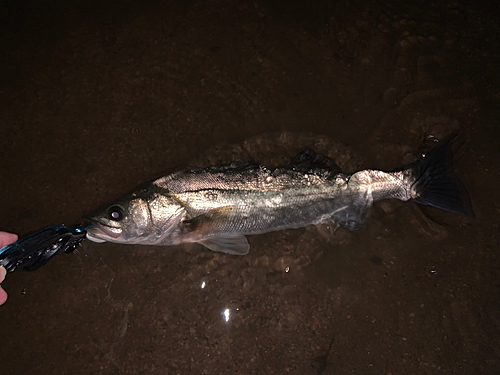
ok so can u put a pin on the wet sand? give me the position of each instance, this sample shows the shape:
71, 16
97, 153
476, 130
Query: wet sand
95, 99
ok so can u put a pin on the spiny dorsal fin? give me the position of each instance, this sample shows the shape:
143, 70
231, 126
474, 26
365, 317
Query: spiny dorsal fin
309, 161
235, 166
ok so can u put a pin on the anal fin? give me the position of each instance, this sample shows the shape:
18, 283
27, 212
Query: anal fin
354, 215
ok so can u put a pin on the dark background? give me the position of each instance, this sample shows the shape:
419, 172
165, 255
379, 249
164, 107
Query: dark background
96, 98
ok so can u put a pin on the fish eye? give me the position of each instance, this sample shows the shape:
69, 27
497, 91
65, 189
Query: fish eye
115, 213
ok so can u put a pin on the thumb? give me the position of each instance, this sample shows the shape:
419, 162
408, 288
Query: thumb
7, 238
3, 295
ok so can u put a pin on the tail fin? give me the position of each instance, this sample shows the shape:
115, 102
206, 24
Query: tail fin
436, 185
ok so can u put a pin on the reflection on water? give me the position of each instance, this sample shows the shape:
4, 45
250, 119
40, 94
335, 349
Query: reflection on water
226, 314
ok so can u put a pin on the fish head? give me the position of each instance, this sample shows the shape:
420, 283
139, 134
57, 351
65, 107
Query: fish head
142, 217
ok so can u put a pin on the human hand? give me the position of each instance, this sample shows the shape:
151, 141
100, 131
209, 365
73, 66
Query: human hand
5, 239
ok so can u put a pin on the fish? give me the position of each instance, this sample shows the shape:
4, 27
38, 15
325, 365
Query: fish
219, 206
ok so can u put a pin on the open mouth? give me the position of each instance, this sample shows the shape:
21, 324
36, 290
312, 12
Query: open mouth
96, 229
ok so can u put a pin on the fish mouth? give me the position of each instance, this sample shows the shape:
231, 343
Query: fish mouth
99, 231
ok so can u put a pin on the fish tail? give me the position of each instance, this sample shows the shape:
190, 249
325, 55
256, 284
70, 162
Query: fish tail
435, 184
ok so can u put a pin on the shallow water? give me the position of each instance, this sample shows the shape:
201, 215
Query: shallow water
97, 99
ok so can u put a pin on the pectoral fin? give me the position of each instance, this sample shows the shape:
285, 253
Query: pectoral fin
209, 221
236, 245
199, 227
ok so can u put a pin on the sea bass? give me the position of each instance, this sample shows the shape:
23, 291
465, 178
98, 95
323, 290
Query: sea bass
218, 206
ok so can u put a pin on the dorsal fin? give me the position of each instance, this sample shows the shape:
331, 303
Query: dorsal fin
309, 161
235, 166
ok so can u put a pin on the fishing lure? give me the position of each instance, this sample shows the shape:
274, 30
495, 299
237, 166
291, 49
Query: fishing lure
37, 249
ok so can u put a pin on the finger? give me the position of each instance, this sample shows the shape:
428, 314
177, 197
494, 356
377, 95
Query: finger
3, 296
3, 272
7, 238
